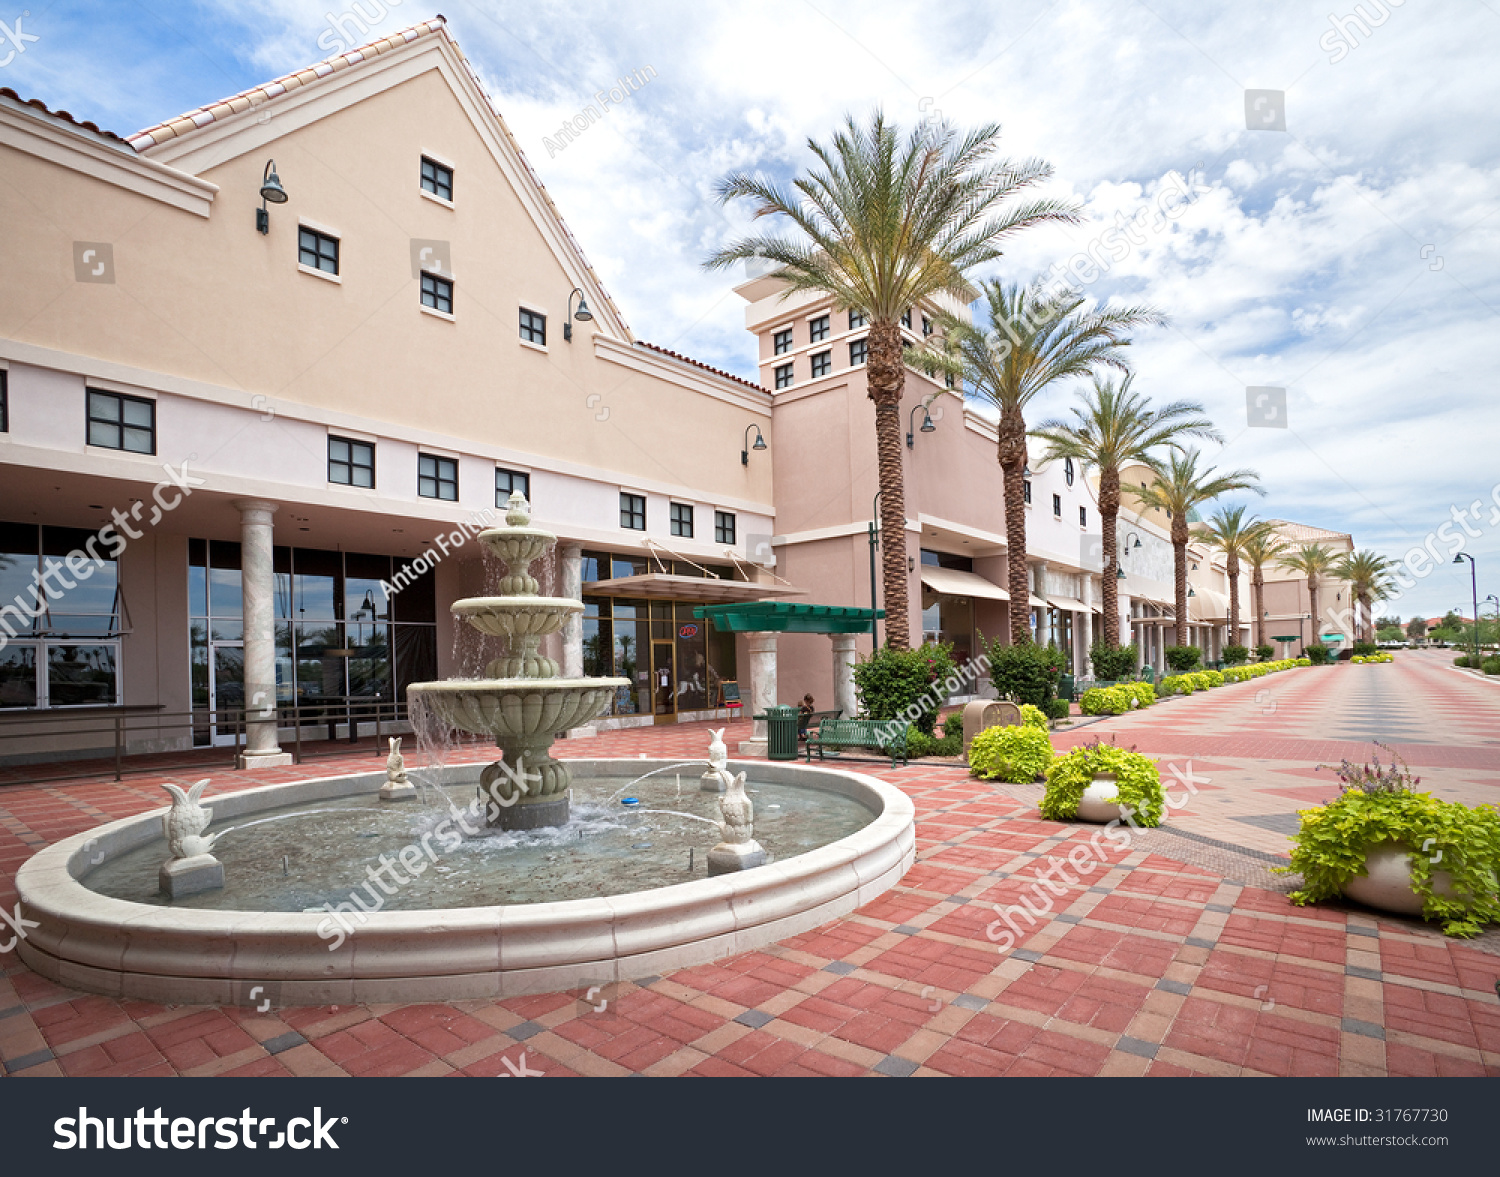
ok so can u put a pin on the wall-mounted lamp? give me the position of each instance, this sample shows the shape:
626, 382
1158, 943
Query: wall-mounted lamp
582, 314
926, 427
760, 443
1195, 566
1128, 538
1119, 574
911, 563
1192, 592
270, 189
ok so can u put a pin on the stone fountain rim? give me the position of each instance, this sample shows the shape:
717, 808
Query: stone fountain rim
498, 685
121, 948
476, 604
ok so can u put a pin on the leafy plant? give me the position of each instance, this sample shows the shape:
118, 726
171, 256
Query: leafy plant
1491, 666
901, 684
1017, 753
1025, 671
953, 724
1182, 658
1139, 783
1114, 700
1111, 661
1034, 716
1059, 708
1144, 692
1364, 649
1317, 654
1264, 652
1235, 654
1178, 684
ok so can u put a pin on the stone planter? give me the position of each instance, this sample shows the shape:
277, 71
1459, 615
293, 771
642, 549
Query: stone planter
1100, 801
1386, 883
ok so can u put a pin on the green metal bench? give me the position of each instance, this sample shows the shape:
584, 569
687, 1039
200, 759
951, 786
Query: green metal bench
816, 719
860, 733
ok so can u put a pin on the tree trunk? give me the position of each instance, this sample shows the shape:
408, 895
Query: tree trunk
1179, 556
1367, 607
1109, 511
1012, 454
886, 378
1258, 595
1233, 568
1312, 606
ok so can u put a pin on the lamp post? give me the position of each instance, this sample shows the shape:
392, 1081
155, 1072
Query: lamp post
874, 543
1474, 588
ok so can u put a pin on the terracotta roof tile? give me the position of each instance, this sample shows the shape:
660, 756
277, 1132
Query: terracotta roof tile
7, 92
699, 364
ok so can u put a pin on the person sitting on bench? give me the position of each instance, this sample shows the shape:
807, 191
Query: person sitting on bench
804, 716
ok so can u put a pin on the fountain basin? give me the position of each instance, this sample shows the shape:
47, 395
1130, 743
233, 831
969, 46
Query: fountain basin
504, 617
134, 950
517, 707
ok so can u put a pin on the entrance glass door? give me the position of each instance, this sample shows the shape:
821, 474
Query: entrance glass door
663, 681
226, 689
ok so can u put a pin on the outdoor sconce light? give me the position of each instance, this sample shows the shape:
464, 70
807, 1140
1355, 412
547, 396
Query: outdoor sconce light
1132, 536
760, 443
911, 563
1192, 592
1119, 574
270, 189
582, 314
1195, 566
926, 427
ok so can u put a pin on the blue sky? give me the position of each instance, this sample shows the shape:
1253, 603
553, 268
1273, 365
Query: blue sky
1351, 258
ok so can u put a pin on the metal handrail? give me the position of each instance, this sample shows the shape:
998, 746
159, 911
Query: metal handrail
137, 719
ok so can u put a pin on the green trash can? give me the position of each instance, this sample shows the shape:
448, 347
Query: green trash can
1066, 687
781, 733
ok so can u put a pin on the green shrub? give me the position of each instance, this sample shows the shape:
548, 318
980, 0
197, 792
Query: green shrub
1025, 671
1178, 684
1491, 666
1144, 692
1234, 655
1317, 654
906, 684
953, 725
1182, 658
1465, 661
1059, 708
1201, 681
1035, 716
1017, 753
1113, 662
948, 745
1298, 662
1363, 649
1264, 652
918, 743
1331, 846
1114, 700
1139, 790
1215, 677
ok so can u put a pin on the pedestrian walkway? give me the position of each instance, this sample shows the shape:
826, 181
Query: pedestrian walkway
1013, 946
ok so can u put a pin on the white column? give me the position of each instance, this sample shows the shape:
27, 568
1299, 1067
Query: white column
1086, 638
258, 578
570, 572
762, 689
844, 696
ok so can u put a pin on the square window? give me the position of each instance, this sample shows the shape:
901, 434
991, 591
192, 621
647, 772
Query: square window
822, 364
533, 327
437, 293
119, 422
437, 179
856, 320
351, 463
781, 342
682, 520
318, 251
906, 318
784, 376
724, 527
1026, 491
507, 482
632, 511
1083, 516
437, 478
1057, 505
857, 351
817, 329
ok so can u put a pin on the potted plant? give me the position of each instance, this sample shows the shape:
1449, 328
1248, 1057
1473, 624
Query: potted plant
1099, 782
1384, 844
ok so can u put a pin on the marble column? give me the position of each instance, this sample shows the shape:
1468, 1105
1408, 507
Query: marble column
570, 574
1086, 637
762, 689
258, 578
844, 696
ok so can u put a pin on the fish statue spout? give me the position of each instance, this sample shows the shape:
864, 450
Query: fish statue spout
738, 825
185, 822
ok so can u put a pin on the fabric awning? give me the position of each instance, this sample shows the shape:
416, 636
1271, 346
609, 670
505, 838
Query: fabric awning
1071, 604
662, 586
1207, 605
952, 582
1038, 603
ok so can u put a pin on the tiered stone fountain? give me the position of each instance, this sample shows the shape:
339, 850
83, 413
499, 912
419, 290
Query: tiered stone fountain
522, 704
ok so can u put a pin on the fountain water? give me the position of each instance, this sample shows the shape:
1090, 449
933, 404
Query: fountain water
523, 704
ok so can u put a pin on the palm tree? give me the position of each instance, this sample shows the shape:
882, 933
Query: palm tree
1228, 531
1263, 548
885, 225
1313, 561
1035, 338
1177, 490
1114, 427
1369, 581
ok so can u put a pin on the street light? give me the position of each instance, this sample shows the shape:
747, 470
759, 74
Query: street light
582, 314
760, 443
926, 427
874, 543
270, 189
1474, 588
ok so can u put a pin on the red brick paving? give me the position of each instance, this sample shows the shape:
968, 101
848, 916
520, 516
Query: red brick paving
1269, 994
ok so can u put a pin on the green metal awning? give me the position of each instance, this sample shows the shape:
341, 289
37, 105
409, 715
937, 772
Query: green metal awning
1333, 637
786, 617
1286, 637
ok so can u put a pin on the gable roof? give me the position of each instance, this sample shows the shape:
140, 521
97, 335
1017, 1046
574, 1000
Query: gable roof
1304, 531
185, 126
38, 104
